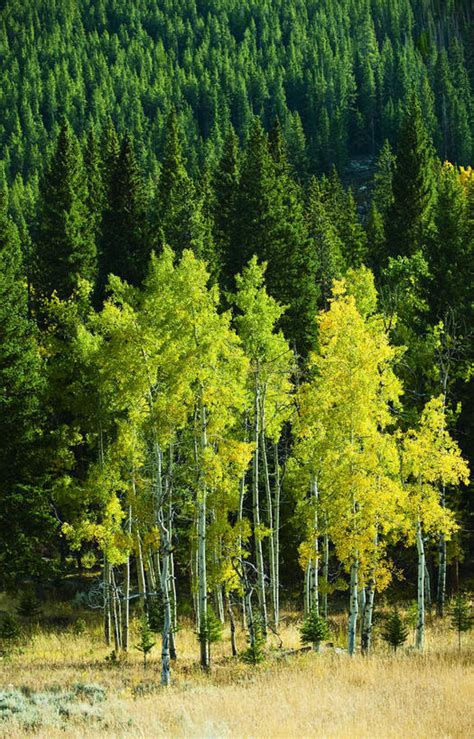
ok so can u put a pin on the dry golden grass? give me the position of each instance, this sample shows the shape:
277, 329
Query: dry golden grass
326, 695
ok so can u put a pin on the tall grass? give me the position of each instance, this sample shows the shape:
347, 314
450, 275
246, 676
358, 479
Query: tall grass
298, 695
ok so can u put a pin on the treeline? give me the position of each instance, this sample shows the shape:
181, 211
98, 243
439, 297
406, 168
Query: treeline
171, 403
337, 74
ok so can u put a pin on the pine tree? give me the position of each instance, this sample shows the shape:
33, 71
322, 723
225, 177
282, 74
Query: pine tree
225, 216
95, 182
65, 250
146, 643
272, 227
24, 518
124, 241
314, 630
461, 615
409, 217
448, 257
395, 631
324, 246
177, 214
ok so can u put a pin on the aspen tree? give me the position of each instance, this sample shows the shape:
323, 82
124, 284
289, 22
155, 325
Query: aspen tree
430, 460
271, 365
344, 414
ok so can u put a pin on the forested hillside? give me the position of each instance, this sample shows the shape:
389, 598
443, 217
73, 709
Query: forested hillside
224, 385
340, 72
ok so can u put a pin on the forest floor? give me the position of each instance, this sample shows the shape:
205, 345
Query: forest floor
64, 684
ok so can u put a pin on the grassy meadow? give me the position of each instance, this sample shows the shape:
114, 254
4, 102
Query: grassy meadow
62, 683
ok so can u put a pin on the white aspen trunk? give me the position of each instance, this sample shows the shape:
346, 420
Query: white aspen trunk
165, 637
325, 575
368, 615
141, 573
220, 604
315, 567
164, 570
115, 613
427, 588
126, 587
368, 611
152, 584
276, 520
362, 601
241, 516
354, 607
256, 520
106, 589
268, 493
195, 573
202, 570
420, 620
172, 579
307, 588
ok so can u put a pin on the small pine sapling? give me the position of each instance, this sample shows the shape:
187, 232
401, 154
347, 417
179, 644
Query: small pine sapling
146, 639
395, 631
210, 628
29, 607
10, 633
461, 615
314, 630
255, 653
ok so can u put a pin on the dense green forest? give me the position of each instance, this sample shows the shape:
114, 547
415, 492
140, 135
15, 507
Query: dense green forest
227, 378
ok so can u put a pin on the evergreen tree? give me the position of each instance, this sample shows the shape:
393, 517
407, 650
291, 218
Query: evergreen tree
448, 257
124, 239
325, 246
409, 217
461, 615
24, 518
314, 630
395, 631
273, 228
178, 218
95, 182
65, 251
225, 215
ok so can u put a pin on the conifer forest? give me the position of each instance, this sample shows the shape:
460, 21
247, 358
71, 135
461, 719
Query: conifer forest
236, 366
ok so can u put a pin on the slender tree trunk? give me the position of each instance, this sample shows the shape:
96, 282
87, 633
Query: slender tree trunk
230, 611
172, 578
164, 569
276, 520
256, 520
202, 570
107, 611
368, 613
126, 587
165, 637
268, 492
150, 575
427, 588
307, 588
442, 560
315, 568
115, 613
420, 620
141, 574
325, 575
354, 607
241, 516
